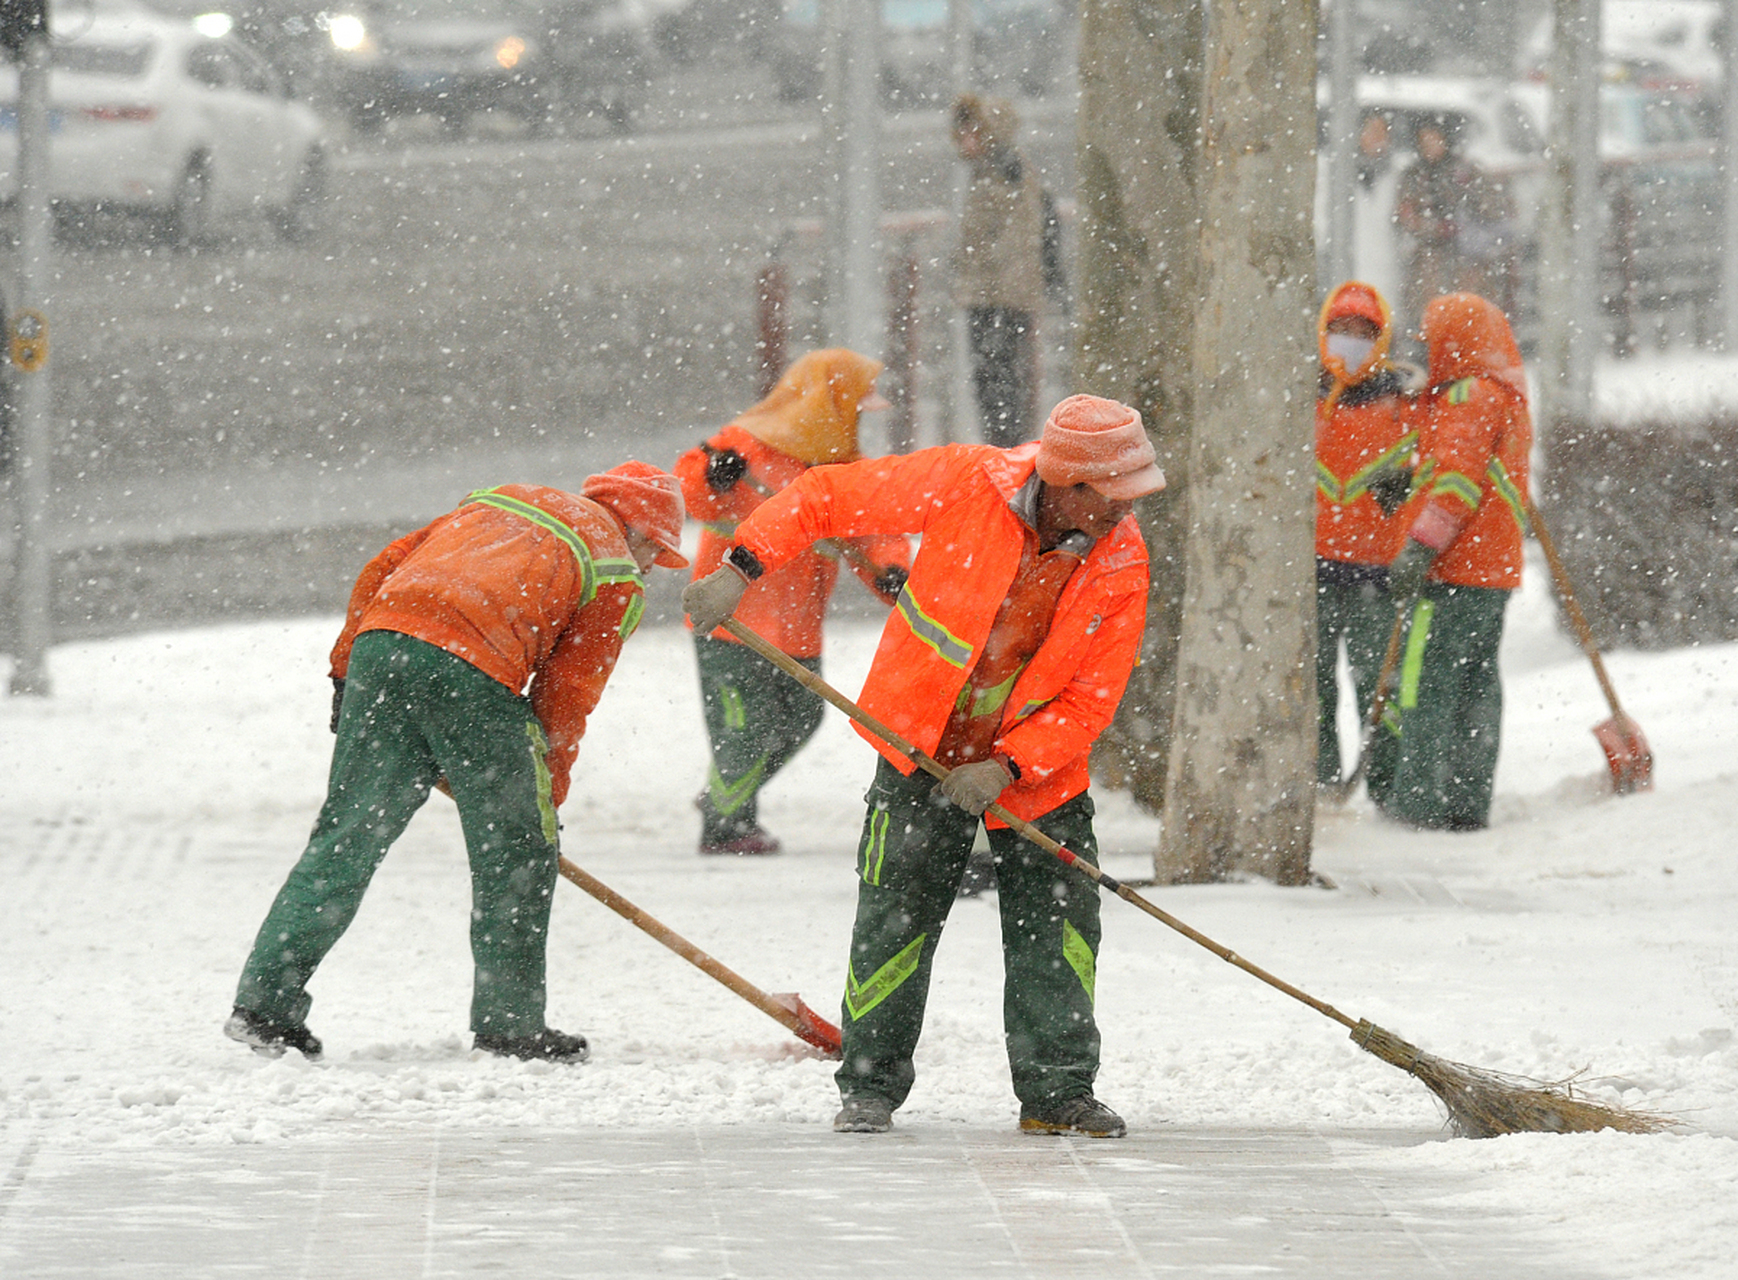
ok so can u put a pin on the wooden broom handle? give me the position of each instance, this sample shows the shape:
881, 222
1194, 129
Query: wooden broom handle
768, 1005
809, 680
1583, 632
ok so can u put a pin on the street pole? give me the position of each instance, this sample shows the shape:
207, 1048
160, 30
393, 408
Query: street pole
1729, 166
32, 585
1341, 259
1570, 317
957, 420
854, 120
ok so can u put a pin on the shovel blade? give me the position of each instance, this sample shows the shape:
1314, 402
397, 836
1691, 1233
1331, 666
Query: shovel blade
811, 1026
1627, 754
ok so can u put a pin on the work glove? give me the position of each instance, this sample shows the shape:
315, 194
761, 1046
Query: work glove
724, 469
1391, 485
1406, 575
337, 701
974, 787
891, 580
710, 600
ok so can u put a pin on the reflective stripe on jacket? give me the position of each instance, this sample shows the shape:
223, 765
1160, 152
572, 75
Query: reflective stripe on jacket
785, 606
1353, 441
532, 586
1474, 441
957, 497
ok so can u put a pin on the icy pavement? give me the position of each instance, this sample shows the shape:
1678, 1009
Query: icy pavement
756, 1201
150, 809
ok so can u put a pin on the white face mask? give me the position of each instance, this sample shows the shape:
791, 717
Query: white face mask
1350, 350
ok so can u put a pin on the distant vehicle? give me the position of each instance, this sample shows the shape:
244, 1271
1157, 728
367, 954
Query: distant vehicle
544, 64
150, 114
312, 47
1658, 42
1017, 46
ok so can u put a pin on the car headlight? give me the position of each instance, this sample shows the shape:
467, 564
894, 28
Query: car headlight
509, 51
348, 33
213, 25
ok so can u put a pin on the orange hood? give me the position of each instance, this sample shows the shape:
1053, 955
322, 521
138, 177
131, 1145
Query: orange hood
812, 413
1355, 298
1468, 337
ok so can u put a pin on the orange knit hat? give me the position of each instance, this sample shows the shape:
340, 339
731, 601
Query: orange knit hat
646, 500
1089, 440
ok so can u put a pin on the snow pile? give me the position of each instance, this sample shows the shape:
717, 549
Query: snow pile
1680, 387
154, 805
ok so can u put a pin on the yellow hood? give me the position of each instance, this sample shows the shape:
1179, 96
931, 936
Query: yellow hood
812, 413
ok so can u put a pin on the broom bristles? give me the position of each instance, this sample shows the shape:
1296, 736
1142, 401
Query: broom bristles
1488, 1104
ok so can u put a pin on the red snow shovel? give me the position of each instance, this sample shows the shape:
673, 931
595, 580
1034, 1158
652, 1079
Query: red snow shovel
1627, 754
786, 1009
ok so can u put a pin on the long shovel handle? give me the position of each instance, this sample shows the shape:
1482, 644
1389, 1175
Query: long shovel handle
795, 1016
1378, 704
1583, 632
809, 680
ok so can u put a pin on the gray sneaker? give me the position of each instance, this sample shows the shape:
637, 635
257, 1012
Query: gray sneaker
1084, 1114
864, 1114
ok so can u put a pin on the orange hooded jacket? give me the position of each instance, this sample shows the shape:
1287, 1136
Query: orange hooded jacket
532, 586
809, 418
957, 497
1475, 437
1363, 425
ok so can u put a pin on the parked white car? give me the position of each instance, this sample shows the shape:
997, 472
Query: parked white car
155, 115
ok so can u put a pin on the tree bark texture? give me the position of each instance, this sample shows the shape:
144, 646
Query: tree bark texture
1138, 161
1240, 790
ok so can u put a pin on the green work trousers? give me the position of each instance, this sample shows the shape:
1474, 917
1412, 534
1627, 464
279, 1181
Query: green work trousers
414, 714
1442, 732
757, 718
913, 852
1359, 615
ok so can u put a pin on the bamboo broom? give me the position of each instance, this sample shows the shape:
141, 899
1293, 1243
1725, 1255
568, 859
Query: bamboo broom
1480, 1103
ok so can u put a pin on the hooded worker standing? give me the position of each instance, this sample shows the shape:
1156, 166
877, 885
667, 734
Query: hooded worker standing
1004, 659
1364, 444
1460, 563
756, 718
473, 652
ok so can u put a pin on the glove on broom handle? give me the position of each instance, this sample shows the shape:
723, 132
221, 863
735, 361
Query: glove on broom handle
809, 680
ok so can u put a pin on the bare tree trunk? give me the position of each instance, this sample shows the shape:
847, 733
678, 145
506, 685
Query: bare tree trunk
1138, 159
1240, 794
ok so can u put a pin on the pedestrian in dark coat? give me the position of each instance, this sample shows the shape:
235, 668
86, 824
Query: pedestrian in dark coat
999, 268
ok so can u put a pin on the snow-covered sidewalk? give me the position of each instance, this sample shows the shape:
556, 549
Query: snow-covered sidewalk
153, 806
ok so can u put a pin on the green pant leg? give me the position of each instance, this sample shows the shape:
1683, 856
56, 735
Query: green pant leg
1050, 937
382, 769
909, 863
1330, 626
1478, 729
756, 720
1449, 709
490, 746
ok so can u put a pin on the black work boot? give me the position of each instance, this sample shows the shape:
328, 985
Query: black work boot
548, 1044
268, 1038
1084, 1115
864, 1113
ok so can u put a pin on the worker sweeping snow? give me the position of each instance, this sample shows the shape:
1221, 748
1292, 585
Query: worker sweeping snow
1004, 658
473, 652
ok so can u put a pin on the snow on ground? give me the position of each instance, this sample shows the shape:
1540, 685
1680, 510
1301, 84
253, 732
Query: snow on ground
155, 803
1678, 386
